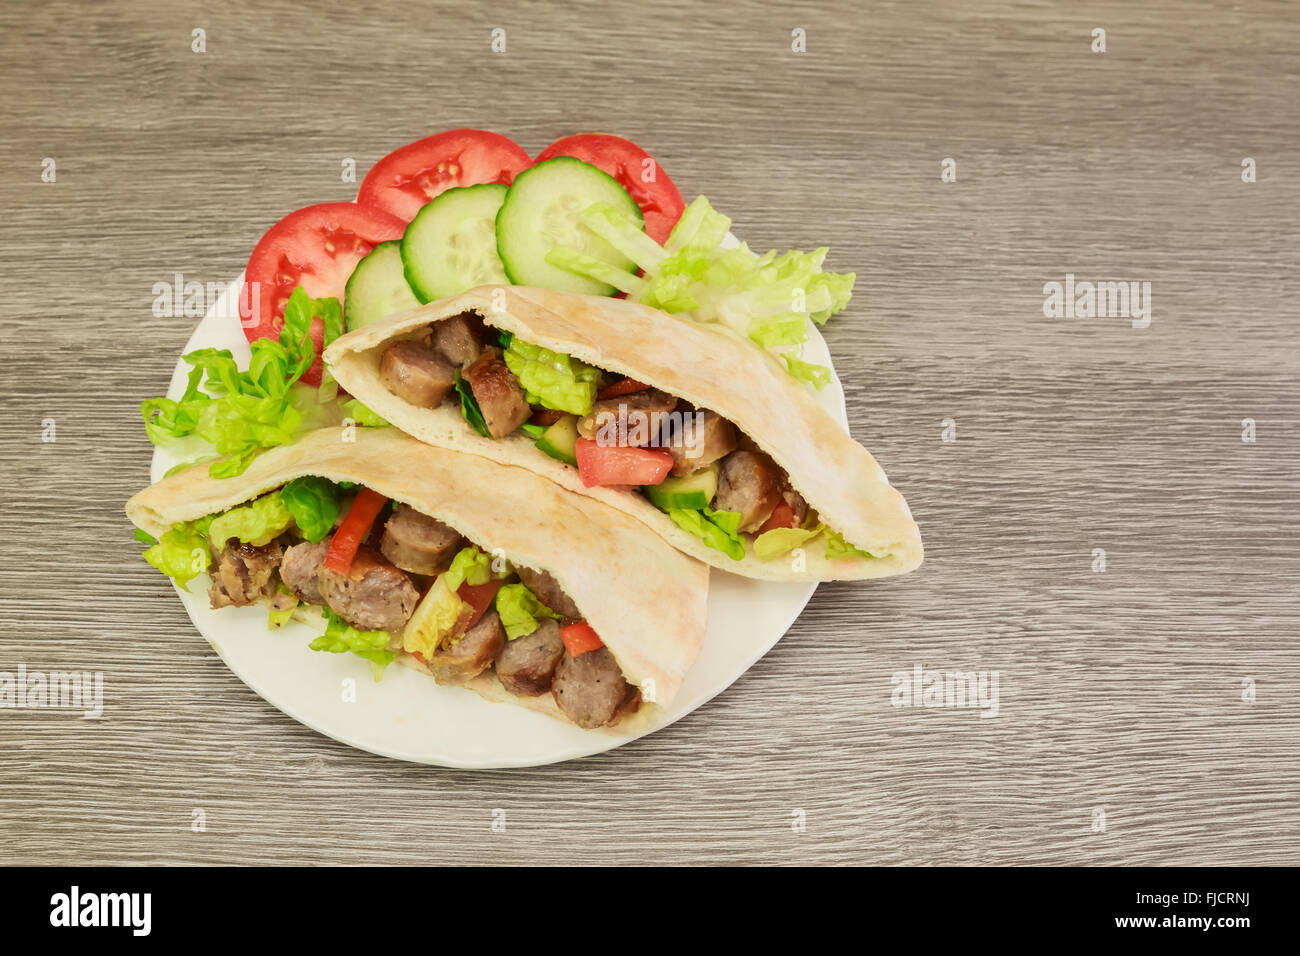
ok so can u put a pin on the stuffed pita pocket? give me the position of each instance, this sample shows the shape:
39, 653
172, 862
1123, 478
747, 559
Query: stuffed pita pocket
697, 434
477, 574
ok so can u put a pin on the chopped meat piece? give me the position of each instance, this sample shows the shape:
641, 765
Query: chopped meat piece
244, 574
639, 417
498, 393
415, 374
590, 688
459, 339
550, 593
527, 664
749, 482
698, 440
795, 501
300, 570
468, 655
417, 543
373, 596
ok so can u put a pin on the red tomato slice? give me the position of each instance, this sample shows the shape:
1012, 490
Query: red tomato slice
580, 638
623, 386
782, 517
479, 597
407, 178
317, 248
636, 171
620, 464
343, 548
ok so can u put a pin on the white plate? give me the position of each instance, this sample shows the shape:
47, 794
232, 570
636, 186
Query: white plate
407, 715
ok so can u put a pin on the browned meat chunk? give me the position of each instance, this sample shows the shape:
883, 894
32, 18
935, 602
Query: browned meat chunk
527, 664
498, 393
244, 574
373, 596
634, 419
698, 440
590, 688
548, 591
459, 339
415, 374
749, 482
417, 543
466, 657
300, 571
795, 501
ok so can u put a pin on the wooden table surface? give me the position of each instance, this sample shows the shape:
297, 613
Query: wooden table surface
1125, 694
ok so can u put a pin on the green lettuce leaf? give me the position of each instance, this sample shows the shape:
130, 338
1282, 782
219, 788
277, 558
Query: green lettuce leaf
341, 637
181, 553
314, 504
779, 541
717, 529
360, 414
519, 609
470, 564
553, 379
257, 523
837, 547
819, 376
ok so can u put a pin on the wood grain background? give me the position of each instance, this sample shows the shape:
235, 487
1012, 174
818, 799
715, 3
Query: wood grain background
1120, 690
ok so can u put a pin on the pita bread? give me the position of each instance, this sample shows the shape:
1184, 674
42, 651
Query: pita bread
835, 475
645, 599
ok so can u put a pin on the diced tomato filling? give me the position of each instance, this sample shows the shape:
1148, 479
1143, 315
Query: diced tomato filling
580, 638
782, 517
479, 597
343, 548
620, 464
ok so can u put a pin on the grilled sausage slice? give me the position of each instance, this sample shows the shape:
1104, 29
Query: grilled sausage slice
300, 570
417, 543
415, 374
244, 574
459, 339
710, 437
749, 482
498, 393
471, 653
550, 593
372, 596
526, 665
638, 415
590, 688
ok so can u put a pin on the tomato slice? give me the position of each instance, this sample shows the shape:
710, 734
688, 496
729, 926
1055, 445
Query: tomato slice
782, 517
580, 638
479, 597
317, 248
343, 548
635, 170
620, 464
407, 178
621, 387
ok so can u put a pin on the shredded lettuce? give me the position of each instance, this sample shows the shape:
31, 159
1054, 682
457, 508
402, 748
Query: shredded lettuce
717, 529
314, 503
553, 379
144, 537
519, 609
435, 617
469, 407
181, 553
241, 413
779, 541
278, 619
256, 523
470, 564
340, 637
362, 415
771, 299
837, 547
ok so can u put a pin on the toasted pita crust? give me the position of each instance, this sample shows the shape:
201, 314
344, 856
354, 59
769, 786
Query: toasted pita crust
835, 474
646, 600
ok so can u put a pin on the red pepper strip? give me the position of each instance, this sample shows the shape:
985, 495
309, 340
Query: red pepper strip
622, 387
479, 597
546, 416
782, 517
580, 638
365, 508
620, 464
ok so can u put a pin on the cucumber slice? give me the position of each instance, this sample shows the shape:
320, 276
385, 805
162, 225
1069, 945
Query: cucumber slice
451, 244
541, 211
691, 491
377, 287
560, 440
